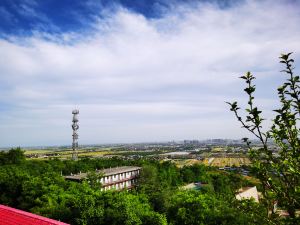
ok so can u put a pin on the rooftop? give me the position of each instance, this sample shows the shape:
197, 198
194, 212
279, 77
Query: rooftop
243, 189
176, 153
106, 172
248, 193
11, 216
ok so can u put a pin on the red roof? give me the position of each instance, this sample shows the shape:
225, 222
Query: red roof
11, 216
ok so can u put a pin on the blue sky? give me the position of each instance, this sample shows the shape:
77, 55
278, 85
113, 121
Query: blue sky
137, 70
23, 17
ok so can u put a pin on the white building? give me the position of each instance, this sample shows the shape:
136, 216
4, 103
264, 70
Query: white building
116, 178
247, 193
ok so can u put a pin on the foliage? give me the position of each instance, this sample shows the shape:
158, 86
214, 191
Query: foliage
93, 179
38, 186
129, 209
279, 173
13, 156
194, 208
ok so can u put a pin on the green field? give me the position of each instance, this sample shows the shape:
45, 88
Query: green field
65, 153
227, 161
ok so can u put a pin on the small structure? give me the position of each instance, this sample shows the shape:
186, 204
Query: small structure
247, 193
11, 216
75, 127
117, 178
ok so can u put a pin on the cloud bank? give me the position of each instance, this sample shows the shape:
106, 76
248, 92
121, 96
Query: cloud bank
136, 79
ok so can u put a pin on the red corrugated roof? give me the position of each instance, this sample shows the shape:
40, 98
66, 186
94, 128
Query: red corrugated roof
11, 216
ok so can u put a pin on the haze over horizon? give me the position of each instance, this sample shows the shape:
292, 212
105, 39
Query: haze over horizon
138, 71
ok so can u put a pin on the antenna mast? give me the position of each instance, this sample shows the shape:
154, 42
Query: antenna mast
75, 127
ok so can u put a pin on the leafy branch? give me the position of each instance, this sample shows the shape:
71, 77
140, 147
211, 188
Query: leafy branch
277, 171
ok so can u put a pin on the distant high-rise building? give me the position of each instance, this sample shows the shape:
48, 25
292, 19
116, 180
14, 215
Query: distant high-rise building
191, 142
75, 127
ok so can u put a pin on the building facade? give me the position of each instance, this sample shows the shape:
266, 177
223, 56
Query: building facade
116, 178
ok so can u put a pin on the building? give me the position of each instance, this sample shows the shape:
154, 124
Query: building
11, 216
248, 193
191, 142
117, 178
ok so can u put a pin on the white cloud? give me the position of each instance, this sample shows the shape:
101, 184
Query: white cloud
139, 79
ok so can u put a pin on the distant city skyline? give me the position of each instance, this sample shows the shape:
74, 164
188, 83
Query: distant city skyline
185, 141
138, 71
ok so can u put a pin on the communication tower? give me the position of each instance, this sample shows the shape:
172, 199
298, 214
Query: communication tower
75, 127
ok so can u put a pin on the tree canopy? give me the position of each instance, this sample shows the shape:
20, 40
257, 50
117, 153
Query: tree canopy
38, 186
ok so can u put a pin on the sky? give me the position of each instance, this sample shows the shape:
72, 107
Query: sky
138, 71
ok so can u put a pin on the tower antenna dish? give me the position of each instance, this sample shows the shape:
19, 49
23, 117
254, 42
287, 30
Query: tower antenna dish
75, 127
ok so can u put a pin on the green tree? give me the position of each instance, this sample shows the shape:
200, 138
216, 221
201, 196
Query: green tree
148, 181
195, 208
125, 208
93, 179
77, 204
11, 180
37, 186
279, 173
187, 174
222, 184
13, 156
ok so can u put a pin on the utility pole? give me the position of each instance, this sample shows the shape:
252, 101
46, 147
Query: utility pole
75, 127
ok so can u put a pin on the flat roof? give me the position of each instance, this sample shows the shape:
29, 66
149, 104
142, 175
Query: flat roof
176, 153
106, 172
